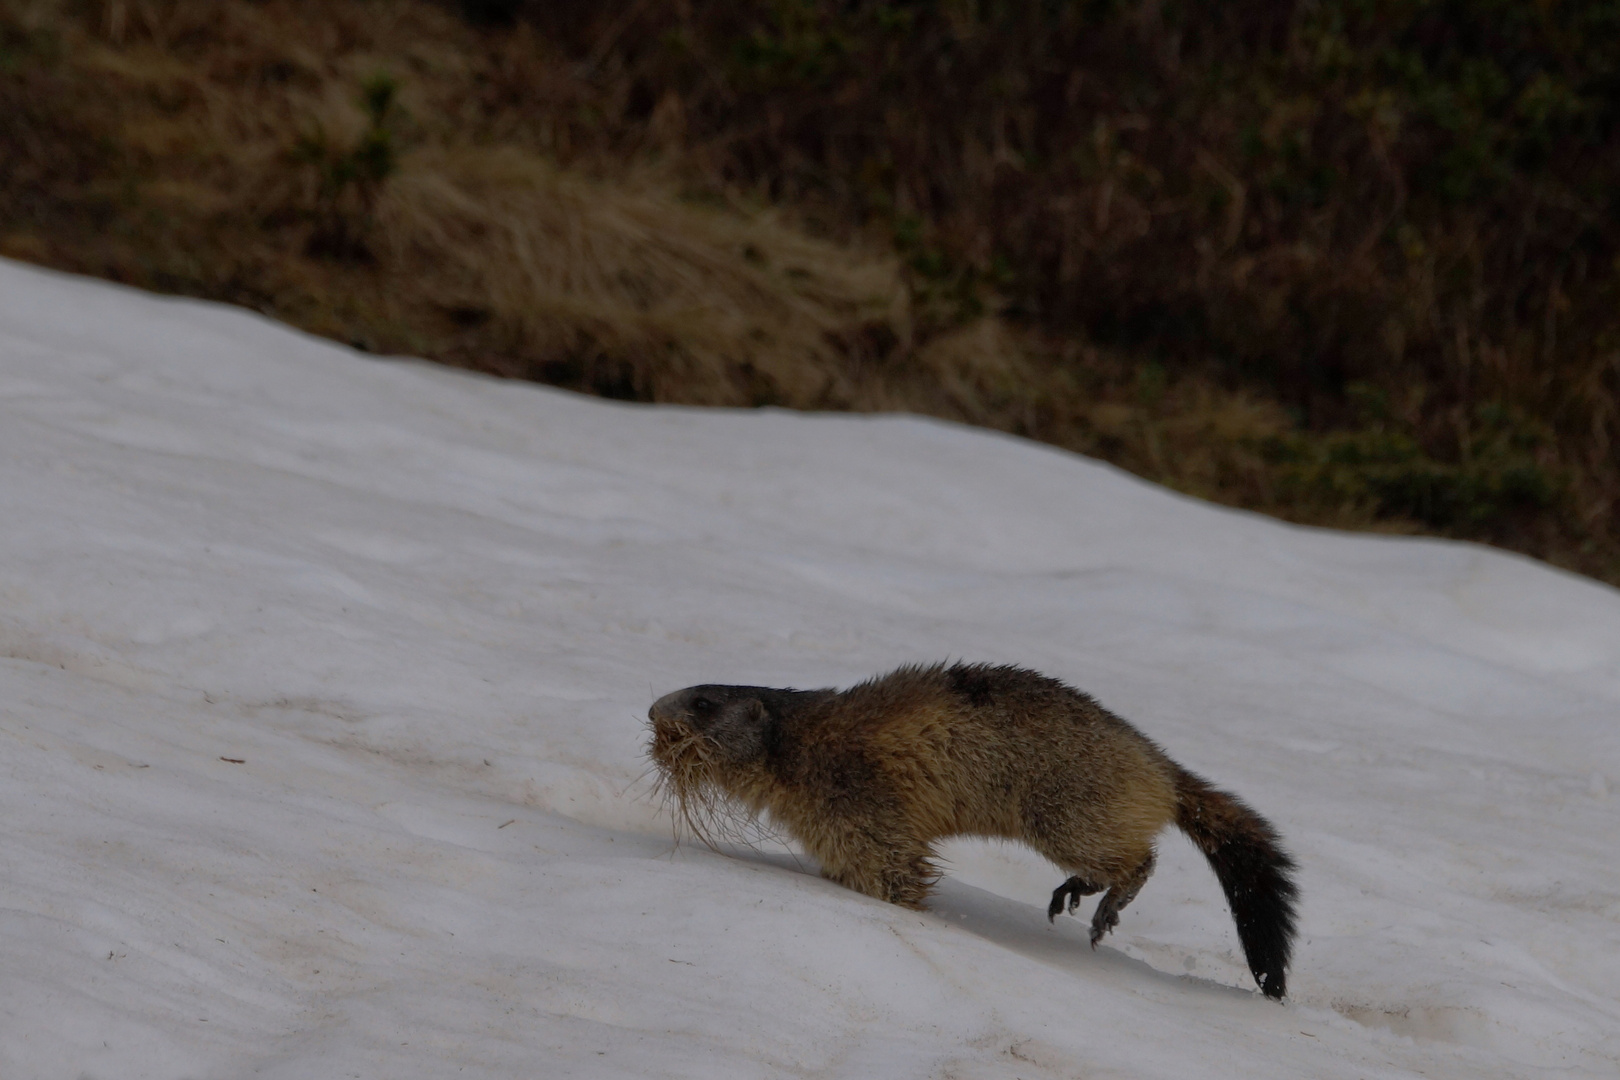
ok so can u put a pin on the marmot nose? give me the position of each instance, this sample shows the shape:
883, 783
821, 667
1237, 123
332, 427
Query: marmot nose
667, 707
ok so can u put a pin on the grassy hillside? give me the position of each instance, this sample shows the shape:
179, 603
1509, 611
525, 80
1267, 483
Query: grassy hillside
1351, 262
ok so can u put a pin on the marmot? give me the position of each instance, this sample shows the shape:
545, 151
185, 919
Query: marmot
868, 778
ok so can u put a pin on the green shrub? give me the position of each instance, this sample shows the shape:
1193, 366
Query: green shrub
1495, 475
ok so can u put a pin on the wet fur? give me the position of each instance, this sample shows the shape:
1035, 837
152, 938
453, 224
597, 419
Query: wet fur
868, 778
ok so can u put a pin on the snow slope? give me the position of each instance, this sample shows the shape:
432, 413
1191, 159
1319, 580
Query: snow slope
322, 694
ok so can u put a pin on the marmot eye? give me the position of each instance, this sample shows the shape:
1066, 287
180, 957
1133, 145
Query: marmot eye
702, 704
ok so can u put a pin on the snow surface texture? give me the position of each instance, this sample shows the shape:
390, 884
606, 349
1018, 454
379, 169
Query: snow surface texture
322, 691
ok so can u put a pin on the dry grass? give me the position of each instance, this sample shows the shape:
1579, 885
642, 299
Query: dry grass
625, 288
475, 251
686, 786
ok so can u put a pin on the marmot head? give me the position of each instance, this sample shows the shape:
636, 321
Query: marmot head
709, 744
725, 725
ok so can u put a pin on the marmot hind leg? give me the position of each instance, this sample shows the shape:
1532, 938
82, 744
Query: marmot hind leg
1114, 900
1069, 893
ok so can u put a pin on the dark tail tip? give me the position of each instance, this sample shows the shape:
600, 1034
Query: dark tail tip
1258, 885
1254, 871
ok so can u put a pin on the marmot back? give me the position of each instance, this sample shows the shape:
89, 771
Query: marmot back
868, 778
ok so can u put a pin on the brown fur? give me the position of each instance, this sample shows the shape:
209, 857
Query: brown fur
867, 779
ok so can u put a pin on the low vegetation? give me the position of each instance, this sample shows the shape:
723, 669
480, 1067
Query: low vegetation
1349, 262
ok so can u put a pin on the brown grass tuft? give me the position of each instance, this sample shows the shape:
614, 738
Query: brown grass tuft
698, 806
624, 288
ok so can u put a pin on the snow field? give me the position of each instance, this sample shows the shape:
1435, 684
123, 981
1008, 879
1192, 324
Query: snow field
322, 690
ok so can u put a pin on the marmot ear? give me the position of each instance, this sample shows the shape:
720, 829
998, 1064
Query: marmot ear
756, 710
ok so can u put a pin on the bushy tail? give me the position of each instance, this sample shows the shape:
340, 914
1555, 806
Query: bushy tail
1254, 872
